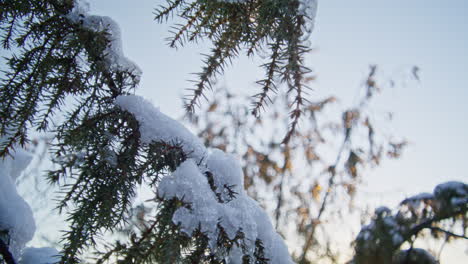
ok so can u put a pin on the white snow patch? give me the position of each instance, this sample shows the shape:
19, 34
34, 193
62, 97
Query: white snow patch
16, 216
236, 256
416, 200
383, 210
456, 193
114, 57
226, 169
421, 196
308, 8
158, 127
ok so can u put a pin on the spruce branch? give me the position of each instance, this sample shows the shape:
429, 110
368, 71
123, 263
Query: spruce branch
163, 12
214, 65
448, 233
249, 26
183, 31
268, 84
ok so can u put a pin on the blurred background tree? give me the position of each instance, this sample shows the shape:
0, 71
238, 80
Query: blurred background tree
308, 185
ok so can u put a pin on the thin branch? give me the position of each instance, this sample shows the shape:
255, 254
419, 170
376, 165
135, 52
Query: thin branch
448, 233
331, 182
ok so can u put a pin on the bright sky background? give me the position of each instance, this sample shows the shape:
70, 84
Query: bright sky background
349, 35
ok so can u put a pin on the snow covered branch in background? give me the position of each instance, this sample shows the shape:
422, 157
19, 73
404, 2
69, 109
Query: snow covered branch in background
380, 241
210, 183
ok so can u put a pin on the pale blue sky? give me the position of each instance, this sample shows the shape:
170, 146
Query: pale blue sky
397, 34
349, 35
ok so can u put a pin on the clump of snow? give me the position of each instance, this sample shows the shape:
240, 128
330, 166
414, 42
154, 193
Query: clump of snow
44, 255
421, 196
383, 232
114, 57
80, 9
189, 183
452, 188
308, 8
383, 211
236, 255
156, 126
415, 201
226, 169
16, 216
452, 194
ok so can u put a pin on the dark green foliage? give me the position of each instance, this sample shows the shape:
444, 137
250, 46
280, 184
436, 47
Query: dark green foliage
276, 26
98, 152
106, 160
162, 242
51, 59
100, 158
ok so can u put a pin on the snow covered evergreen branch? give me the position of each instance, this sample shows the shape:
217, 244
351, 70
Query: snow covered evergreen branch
111, 142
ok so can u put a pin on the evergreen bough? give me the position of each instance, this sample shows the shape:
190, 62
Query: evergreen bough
277, 29
51, 59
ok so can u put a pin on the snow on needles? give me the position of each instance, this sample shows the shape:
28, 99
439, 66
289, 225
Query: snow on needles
155, 126
115, 58
308, 8
189, 182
